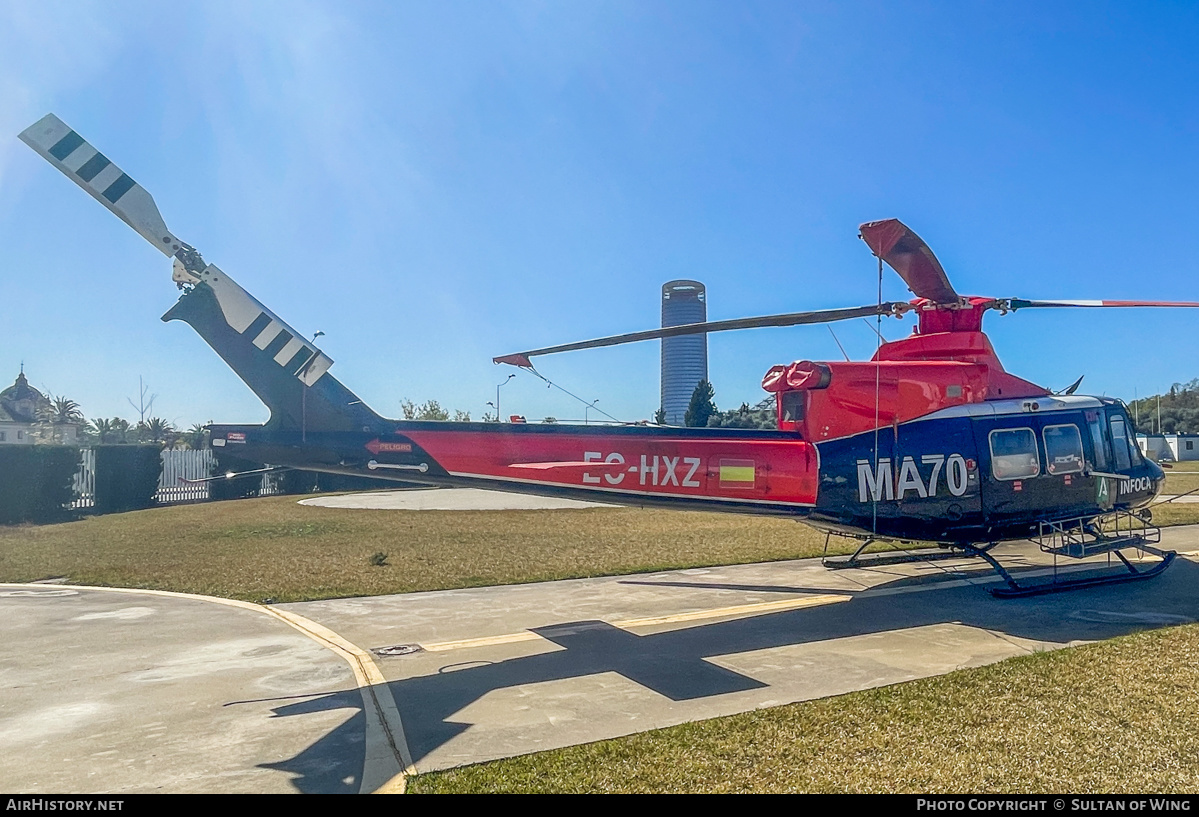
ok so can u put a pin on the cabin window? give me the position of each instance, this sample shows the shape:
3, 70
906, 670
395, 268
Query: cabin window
792, 407
1120, 444
1014, 454
1063, 449
1190, 445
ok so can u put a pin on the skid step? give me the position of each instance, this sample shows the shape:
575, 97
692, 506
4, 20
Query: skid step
1098, 546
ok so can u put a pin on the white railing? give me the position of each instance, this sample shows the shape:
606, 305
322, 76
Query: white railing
179, 481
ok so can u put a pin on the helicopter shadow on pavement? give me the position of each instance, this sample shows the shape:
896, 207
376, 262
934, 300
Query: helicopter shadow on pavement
675, 664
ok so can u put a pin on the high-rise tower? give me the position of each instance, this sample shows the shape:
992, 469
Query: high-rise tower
684, 358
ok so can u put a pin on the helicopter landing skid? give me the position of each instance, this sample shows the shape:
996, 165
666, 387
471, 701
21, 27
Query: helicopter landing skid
1082, 537
883, 559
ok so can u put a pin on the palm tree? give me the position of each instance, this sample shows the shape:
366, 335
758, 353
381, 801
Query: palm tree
54, 416
120, 430
62, 411
196, 437
103, 429
156, 430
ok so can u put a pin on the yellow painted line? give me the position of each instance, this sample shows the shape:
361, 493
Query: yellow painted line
740, 610
366, 672
757, 609
487, 641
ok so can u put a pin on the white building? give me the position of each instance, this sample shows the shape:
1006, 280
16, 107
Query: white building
1170, 447
20, 404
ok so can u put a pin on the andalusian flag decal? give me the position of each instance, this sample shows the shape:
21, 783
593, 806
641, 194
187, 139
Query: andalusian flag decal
736, 473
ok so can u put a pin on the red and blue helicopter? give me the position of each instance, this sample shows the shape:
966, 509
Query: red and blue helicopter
929, 441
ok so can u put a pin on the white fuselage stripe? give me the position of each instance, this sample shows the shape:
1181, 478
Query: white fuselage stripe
626, 492
267, 335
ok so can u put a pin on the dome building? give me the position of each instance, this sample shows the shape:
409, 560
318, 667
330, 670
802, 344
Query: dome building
20, 405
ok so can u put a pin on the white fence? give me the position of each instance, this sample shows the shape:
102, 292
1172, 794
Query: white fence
181, 471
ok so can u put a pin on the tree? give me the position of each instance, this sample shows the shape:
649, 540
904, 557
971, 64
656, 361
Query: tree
761, 415
701, 406
660, 417
196, 437
54, 417
157, 430
120, 430
430, 410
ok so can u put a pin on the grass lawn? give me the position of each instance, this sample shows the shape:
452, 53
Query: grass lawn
274, 548
1110, 717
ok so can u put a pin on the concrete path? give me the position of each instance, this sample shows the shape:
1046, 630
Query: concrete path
107, 691
448, 499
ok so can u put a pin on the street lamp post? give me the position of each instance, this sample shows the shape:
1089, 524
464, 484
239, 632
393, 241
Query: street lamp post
586, 409
304, 389
498, 417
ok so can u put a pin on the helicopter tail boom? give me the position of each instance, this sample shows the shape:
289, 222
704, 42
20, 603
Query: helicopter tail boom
290, 375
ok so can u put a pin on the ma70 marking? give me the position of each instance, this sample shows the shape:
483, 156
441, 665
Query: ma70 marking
877, 483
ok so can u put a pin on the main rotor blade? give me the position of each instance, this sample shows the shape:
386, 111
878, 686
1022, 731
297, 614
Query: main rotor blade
787, 319
1019, 303
62, 147
906, 252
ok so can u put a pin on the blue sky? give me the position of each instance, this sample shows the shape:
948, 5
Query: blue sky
432, 184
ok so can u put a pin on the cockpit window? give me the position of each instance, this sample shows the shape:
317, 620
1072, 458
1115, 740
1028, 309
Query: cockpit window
1014, 454
1063, 449
1120, 444
1095, 425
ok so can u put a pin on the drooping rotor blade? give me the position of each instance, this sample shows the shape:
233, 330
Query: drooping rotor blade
1020, 303
1073, 387
107, 183
906, 252
788, 319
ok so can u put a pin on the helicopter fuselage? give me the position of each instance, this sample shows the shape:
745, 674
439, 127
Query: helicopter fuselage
975, 473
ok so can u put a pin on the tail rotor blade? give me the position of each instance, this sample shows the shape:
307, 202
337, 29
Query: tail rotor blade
62, 147
787, 319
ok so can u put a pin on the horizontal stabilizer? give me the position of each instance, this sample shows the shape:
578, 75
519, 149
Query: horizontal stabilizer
107, 183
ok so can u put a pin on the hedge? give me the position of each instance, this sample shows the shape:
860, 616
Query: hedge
126, 477
36, 482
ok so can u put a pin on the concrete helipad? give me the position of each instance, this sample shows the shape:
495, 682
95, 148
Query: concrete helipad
114, 691
448, 499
